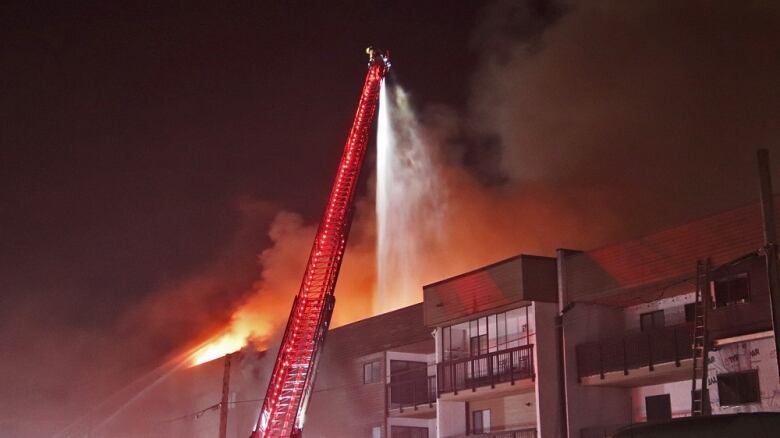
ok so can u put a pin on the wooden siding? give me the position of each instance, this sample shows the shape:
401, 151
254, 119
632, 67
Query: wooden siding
663, 263
519, 279
341, 404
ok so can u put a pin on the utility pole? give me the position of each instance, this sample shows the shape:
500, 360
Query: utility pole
223, 405
770, 244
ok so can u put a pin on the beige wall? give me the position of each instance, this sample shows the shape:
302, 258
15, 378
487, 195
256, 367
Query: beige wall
509, 413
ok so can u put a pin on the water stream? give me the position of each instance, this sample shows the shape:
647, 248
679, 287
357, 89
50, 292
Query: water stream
409, 203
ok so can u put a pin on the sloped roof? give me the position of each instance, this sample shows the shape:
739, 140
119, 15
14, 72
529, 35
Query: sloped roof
662, 263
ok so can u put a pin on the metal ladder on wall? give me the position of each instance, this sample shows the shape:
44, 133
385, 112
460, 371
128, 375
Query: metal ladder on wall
700, 396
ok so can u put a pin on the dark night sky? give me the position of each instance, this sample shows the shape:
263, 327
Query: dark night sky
131, 133
150, 144
128, 131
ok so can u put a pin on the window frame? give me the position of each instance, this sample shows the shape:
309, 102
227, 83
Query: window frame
756, 392
484, 421
410, 430
730, 301
651, 404
653, 319
505, 335
376, 372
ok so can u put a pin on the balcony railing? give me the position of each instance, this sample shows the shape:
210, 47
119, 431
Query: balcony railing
635, 350
487, 369
519, 433
412, 394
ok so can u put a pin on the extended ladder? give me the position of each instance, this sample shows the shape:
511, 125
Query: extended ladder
292, 379
700, 396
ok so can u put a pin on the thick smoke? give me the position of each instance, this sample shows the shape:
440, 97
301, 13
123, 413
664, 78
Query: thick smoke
656, 108
589, 123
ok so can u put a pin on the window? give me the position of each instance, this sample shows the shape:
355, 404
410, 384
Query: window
731, 290
480, 421
408, 382
408, 432
479, 345
651, 320
658, 407
690, 312
739, 388
376, 432
487, 334
372, 372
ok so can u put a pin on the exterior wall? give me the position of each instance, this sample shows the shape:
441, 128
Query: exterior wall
341, 404
679, 395
741, 356
429, 423
519, 279
674, 310
592, 408
635, 271
753, 316
547, 361
450, 419
509, 413
757, 354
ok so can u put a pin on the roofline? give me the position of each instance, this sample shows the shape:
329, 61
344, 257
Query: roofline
359, 321
677, 225
486, 267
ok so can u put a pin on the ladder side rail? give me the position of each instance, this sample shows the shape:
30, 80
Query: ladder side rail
293, 375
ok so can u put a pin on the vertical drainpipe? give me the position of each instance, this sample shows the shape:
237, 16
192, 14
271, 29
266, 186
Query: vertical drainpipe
562, 307
386, 392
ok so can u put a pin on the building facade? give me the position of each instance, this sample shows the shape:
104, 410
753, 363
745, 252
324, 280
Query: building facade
574, 346
628, 316
465, 362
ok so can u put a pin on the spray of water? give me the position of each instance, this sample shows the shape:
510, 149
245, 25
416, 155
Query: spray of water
409, 203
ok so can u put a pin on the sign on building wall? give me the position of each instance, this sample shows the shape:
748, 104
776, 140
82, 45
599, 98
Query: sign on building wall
743, 377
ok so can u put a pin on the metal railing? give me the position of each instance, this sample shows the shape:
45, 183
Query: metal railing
518, 433
487, 369
411, 394
635, 350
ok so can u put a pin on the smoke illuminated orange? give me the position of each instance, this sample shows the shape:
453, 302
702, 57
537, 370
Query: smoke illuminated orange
245, 329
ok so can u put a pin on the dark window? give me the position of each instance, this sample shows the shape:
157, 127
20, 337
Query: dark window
731, 290
480, 421
659, 407
408, 432
408, 382
372, 372
651, 320
479, 345
739, 388
690, 312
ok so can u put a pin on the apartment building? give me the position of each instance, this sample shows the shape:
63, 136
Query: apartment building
496, 350
373, 379
465, 362
628, 316
577, 346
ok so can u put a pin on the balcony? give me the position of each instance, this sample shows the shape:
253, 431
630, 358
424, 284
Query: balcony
518, 433
486, 370
411, 395
661, 349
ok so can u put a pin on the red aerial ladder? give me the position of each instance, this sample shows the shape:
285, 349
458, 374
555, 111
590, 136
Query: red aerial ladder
284, 406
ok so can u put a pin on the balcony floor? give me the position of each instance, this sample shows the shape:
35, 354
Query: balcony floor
422, 411
485, 392
662, 373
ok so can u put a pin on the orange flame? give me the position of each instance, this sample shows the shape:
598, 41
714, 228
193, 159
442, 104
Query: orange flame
246, 328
